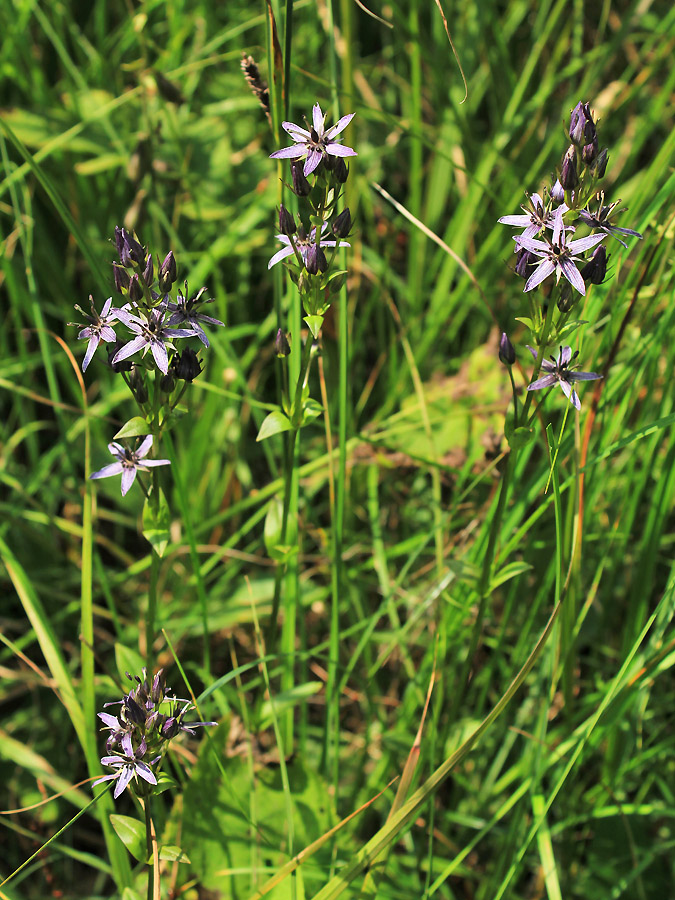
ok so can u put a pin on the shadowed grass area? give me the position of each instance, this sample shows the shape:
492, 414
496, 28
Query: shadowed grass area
141, 117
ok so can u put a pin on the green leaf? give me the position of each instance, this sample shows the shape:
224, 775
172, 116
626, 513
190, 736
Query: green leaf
310, 410
132, 834
136, 427
274, 423
520, 437
509, 571
173, 854
272, 532
527, 322
286, 700
314, 324
164, 783
570, 328
130, 894
174, 416
156, 523
336, 281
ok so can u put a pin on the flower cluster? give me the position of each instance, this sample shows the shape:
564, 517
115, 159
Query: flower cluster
548, 244
147, 358
149, 718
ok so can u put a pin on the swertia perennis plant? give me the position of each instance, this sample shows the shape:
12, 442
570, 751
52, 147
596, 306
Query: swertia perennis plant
548, 244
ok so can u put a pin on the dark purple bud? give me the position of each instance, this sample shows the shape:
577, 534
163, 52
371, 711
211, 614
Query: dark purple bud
138, 386
158, 687
168, 272
558, 191
121, 278
568, 173
287, 224
525, 259
119, 239
148, 271
582, 127
343, 224
135, 289
590, 151
599, 165
568, 297
167, 383
188, 365
133, 711
507, 354
170, 728
132, 252
578, 124
281, 346
124, 365
596, 268
340, 170
316, 260
301, 187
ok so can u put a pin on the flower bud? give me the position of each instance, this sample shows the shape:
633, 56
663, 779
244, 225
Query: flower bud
131, 252
507, 353
577, 124
589, 152
188, 365
168, 273
301, 187
148, 271
568, 173
167, 383
138, 386
557, 192
340, 170
135, 289
281, 346
599, 165
287, 224
315, 261
596, 268
342, 224
121, 277
119, 240
568, 297
525, 259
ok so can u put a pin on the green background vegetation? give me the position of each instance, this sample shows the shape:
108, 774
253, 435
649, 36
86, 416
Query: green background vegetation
569, 793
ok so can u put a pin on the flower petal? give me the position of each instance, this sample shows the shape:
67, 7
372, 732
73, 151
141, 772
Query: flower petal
583, 376
145, 772
144, 449
565, 356
585, 243
129, 349
541, 273
108, 471
545, 381
91, 348
279, 255
313, 159
128, 478
123, 780
572, 274
339, 126
295, 151
149, 463
161, 356
340, 150
516, 221
318, 119
293, 129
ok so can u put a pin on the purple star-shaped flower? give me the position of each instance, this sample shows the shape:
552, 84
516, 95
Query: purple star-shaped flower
316, 142
559, 371
99, 329
557, 255
151, 331
535, 217
129, 765
186, 311
601, 220
303, 242
129, 462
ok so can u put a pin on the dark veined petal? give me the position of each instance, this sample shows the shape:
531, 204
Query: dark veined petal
279, 255
583, 376
160, 355
313, 159
108, 471
570, 393
318, 119
543, 270
340, 150
91, 349
129, 349
123, 779
295, 151
573, 275
339, 126
565, 357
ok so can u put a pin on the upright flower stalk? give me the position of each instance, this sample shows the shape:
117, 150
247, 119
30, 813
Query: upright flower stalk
559, 252
151, 335
310, 241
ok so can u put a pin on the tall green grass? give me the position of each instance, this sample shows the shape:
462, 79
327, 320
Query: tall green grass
558, 784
